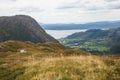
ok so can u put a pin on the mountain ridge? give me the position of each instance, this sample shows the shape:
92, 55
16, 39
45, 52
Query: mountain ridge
90, 25
22, 28
95, 40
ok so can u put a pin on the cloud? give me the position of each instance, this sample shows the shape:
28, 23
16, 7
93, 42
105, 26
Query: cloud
92, 5
7, 1
111, 0
30, 9
63, 11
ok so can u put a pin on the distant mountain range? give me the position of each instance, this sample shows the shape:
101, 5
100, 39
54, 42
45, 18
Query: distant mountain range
22, 28
95, 40
92, 25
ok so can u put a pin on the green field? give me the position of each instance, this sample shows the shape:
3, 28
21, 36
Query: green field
89, 45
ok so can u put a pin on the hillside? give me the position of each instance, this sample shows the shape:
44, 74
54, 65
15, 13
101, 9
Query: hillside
95, 40
51, 61
91, 25
22, 28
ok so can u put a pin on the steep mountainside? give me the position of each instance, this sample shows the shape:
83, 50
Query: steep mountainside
95, 40
22, 28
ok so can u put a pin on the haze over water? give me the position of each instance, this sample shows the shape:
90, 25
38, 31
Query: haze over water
62, 33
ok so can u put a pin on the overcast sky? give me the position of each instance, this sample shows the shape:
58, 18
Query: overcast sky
63, 11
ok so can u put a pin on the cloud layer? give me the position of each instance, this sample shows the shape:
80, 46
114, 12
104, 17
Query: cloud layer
92, 5
63, 11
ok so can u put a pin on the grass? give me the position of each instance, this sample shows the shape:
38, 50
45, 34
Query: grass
71, 68
96, 48
63, 68
54, 62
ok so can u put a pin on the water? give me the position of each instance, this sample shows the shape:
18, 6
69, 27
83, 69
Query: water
57, 34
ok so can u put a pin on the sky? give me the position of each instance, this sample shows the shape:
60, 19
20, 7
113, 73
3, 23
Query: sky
63, 11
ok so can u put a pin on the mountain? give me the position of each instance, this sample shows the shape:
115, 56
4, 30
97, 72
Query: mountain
95, 40
22, 28
92, 25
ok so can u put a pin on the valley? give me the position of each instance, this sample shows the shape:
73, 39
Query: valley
94, 40
28, 52
59, 39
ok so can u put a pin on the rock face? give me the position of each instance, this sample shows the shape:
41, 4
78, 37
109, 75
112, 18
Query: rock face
22, 28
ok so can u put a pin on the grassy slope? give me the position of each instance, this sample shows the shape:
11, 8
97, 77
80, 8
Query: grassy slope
95, 40
53, 62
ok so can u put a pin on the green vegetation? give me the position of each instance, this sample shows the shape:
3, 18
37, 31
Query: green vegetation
89, 45
51, 61
95, 41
